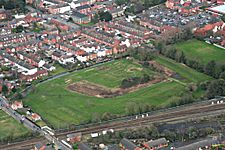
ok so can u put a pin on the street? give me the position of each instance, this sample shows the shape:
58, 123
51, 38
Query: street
4, 105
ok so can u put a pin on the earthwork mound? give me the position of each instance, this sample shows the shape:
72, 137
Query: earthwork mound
91, 89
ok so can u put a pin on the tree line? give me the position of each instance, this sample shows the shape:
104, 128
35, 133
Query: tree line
212, 68
19, 5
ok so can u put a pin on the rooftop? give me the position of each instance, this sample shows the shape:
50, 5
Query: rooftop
219, 9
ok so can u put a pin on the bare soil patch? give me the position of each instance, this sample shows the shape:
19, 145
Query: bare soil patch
91, 89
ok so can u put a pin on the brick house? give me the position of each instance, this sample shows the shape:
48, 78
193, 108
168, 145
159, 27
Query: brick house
81, 18
156, 144
17, 105
128, 145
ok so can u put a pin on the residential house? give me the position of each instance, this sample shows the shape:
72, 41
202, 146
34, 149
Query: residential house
4, 14
17, 105
75, 137
80, 18
23, 67
117, 12
59, 9
35, 117
31, 59
204, 144
62, 58
38, 74
156, 144
84, 9
128, 145
39, 146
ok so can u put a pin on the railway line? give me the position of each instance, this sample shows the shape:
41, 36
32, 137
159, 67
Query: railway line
176, 114
23, 145
183, 113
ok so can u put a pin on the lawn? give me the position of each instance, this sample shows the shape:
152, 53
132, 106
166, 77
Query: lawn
189, 75
201, 51
112, 74
59, 69
10, 128
61, 107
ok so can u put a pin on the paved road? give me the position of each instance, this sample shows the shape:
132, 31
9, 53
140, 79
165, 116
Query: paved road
4, 105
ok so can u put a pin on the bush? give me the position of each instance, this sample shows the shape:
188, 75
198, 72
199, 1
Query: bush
133, 81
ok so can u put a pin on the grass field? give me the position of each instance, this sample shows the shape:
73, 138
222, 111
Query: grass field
111, 74
10, 128
201, 51
62, 107
189, 75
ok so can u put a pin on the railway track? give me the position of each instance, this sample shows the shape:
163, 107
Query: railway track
23, 145
163, 116
176, 114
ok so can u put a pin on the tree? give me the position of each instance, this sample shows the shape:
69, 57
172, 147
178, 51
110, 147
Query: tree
188, 98
130, 9
130, 108
210, 68
5, 89
14, 90
107, 116
216, 88
19, 29
96, 117
121, 2
223, 18
160, 45
222, 75
70, 19
180, 57
95, 18
105, 16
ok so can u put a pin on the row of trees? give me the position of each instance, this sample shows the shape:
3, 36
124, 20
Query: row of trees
175, 35
141, 54
154, 132
212, 68
133, 108
216, 70
213, 88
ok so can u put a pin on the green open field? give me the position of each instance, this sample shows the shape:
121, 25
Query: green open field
10, 128
202, 51
61, 107
189, 74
